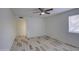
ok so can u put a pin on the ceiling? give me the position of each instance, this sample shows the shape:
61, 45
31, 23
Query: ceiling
25, 12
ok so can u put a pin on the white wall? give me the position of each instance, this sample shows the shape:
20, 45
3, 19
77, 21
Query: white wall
57, 27
7, 28
35, 26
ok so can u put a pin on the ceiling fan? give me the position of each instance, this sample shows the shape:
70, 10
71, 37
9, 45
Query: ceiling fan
44, 11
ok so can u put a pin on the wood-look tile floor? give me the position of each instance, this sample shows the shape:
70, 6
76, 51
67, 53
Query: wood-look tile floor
43, 44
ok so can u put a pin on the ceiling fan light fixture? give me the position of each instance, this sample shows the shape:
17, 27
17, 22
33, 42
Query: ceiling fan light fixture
43, 13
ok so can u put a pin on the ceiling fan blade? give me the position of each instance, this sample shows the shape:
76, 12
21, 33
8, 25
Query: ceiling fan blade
47, 12
40, 14
49, 9
41, 9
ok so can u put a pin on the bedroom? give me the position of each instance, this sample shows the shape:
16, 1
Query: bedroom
41, 32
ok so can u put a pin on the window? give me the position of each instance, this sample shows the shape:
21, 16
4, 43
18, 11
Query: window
74, 24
